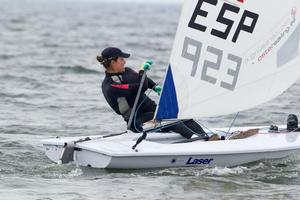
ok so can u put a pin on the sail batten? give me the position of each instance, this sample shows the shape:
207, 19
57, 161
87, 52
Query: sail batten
229, 56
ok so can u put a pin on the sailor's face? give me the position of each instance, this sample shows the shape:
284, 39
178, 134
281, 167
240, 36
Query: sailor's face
119, 65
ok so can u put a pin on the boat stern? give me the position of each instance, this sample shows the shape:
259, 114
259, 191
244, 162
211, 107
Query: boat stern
53, 152
88, 158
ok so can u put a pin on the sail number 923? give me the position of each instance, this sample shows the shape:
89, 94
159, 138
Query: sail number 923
194, 56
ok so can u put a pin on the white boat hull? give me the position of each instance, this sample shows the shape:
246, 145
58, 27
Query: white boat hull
160, 151
92, 159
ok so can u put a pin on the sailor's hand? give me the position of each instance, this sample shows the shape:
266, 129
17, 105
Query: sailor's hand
147, 65
157, 89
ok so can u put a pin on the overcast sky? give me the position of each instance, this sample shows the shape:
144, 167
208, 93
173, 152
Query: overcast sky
145, 1
156, 1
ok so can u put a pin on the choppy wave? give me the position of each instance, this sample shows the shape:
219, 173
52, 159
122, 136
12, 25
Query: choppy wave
10, 95
76, 69
7, 56
17, 78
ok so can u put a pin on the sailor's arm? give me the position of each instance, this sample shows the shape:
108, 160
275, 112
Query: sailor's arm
151, 84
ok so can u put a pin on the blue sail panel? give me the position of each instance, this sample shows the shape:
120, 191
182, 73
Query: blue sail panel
168, 105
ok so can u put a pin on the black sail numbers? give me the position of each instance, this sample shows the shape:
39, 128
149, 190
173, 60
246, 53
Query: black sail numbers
203, 14
243, 26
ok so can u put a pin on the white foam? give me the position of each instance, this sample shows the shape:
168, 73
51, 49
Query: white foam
75, 172
223, 171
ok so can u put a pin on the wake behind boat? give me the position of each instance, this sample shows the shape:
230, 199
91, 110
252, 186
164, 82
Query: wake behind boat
172, 150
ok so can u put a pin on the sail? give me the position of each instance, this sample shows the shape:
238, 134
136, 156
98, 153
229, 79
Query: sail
229, 56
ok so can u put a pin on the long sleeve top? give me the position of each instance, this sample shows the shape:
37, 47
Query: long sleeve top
120, 90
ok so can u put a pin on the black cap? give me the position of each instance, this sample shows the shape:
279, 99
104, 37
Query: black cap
112, 52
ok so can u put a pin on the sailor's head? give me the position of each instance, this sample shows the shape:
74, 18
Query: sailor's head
113, 59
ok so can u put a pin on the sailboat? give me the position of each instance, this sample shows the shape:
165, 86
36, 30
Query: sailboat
228, 56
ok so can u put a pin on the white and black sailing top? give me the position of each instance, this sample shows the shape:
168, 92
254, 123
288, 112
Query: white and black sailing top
120, 90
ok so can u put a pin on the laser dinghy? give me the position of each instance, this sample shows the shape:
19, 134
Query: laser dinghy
228, 56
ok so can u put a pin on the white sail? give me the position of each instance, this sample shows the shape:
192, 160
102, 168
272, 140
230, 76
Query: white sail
229, 56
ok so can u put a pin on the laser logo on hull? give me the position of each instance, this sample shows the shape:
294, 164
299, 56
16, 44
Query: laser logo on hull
197, 161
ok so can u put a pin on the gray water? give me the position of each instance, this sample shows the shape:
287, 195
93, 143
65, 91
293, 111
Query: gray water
50, 86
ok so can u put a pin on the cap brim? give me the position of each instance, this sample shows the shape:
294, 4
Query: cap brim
125, 55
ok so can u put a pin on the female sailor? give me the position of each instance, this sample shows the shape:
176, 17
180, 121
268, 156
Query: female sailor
120, 88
